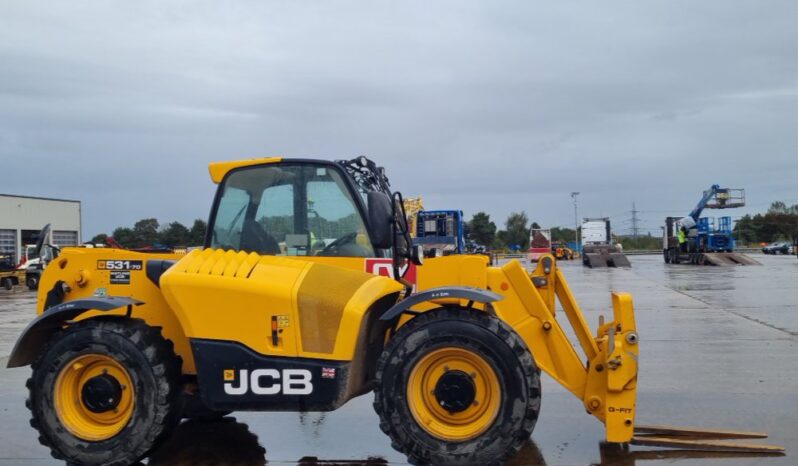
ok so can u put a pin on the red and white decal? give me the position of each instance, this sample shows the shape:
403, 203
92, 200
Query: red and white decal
384, 267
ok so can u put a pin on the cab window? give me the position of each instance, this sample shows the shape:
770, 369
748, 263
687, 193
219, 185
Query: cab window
290, 210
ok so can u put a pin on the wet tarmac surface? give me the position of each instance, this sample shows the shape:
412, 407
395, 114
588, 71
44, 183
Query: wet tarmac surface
719, 348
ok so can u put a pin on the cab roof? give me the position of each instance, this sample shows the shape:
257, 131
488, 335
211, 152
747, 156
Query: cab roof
219, 169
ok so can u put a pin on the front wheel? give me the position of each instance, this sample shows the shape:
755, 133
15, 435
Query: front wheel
32, 283
457, 387
105, 392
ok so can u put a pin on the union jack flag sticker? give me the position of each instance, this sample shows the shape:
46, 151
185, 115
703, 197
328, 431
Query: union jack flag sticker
327, 372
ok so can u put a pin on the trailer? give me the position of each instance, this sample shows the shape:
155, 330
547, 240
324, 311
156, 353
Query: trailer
440, 232
597, 248
539, 243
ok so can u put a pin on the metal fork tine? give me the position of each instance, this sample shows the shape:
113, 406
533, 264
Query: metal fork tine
673, 431
704, 445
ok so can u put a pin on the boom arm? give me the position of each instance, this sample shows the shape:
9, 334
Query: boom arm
708, 195
724, 198
606, 379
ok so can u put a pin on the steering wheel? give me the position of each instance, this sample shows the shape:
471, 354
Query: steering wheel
347, 238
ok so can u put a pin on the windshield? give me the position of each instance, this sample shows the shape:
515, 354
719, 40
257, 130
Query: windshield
297, 209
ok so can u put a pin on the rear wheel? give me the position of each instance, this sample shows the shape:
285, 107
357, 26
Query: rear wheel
457, 387
7, 283
105, 392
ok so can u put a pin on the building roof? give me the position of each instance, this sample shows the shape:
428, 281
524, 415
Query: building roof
39, 198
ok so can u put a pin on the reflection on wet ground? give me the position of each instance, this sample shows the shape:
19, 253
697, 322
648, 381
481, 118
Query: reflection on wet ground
718, 350
228, 442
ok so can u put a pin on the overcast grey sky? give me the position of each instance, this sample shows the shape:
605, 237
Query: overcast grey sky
493, 105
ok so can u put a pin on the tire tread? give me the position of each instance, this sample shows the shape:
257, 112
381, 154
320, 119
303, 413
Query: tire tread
406, 445
164, 363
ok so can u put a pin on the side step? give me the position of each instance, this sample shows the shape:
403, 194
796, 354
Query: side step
700, 439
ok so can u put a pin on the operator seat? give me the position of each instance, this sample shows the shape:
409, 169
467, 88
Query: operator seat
255, 239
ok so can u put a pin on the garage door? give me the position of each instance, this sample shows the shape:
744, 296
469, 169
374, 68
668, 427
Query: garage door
8, 246
8, 241
65, 238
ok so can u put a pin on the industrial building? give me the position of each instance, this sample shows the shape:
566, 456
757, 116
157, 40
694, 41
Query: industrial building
22, 217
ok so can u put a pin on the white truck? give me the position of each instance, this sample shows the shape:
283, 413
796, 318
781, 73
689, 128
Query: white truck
597, 247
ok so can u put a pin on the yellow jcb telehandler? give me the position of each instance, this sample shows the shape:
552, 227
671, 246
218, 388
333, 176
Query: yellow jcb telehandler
561, 251
308, 293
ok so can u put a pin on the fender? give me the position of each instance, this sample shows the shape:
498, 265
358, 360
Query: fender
445, 292
42, 327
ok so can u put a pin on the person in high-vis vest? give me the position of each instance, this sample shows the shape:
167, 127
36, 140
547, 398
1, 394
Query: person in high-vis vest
681, 235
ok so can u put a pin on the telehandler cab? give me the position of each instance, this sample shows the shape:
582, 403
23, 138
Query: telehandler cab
308, 293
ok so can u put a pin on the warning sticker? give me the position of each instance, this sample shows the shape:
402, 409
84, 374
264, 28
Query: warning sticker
282, 321
120, 277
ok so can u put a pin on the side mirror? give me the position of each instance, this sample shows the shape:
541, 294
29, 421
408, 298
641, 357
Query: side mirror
380, 219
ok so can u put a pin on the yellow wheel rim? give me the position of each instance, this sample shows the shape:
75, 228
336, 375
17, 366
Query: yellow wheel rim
427, 409
74, 412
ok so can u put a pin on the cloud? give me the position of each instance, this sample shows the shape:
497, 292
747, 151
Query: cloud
498, 106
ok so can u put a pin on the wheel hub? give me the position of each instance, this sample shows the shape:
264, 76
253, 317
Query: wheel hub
94, 397
101, 393
455, 391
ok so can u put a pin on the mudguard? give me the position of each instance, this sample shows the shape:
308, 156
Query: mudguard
42, 327
448, 292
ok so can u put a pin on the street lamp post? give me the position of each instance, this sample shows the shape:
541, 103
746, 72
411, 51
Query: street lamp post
576, 222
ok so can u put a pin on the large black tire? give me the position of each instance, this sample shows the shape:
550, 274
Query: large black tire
486, 339
129, 347
8, 284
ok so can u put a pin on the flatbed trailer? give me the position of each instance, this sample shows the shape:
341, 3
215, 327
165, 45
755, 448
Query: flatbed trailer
603, 255
712, 258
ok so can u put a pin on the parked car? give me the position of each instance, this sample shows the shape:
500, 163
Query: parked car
778, 248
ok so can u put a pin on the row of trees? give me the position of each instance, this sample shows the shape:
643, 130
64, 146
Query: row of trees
482, 230
148, 232
514, 236
779, 223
